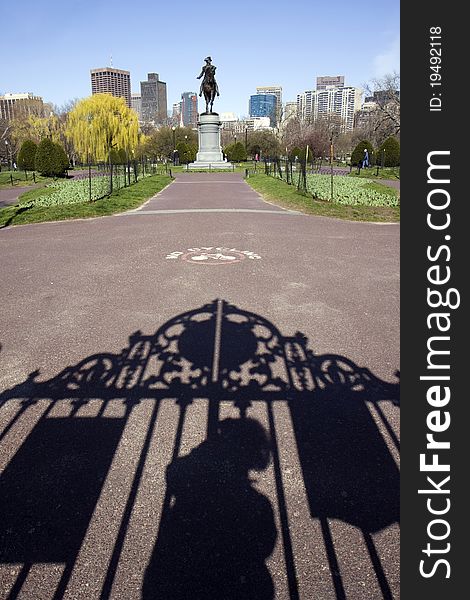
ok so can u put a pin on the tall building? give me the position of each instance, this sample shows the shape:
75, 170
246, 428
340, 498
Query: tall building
326, 82
343, 102
264, 105
277, 91
305, 104
290, 111
174, 116
15, 105
154, 106
112, 81
383, 97
136, 104
189, 108
176, 110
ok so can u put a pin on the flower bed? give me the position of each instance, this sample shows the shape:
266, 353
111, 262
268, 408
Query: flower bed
74, 192
77, 191
350, 191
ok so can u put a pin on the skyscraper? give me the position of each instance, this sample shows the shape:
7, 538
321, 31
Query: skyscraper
154, 105
189, 108
264, 105
136, 104
112, 81
343, 102
277, 91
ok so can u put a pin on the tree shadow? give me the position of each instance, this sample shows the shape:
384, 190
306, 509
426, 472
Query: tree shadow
19, 210
216, 529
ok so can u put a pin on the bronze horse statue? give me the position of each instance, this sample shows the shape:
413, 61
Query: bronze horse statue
209, 85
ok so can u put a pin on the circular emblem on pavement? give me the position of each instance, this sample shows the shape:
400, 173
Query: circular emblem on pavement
213, 255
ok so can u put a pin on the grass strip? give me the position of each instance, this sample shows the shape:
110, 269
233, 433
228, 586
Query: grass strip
119, 201
392, 173
280, 193
20, 179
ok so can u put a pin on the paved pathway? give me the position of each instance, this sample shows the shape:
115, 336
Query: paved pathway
130, 347
394, 183
10, 195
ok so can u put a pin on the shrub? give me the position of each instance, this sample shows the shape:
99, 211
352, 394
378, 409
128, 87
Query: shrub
358, 153
297, 152
118, 157
236, 152
51, 159
187, 152
391, 146
27, 155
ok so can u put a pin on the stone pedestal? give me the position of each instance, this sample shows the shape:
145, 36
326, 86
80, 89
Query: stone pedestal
210, 152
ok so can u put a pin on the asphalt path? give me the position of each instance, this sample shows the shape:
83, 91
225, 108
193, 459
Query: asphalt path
144, 359
10, 195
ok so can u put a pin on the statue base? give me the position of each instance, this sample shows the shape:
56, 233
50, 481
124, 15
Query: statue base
210, 154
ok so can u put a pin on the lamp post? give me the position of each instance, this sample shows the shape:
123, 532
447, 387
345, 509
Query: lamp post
49, 124
8, 155
331, 162
246, 139
173, 129
89, 119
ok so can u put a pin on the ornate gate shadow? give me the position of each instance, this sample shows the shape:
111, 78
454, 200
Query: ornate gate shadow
220, 353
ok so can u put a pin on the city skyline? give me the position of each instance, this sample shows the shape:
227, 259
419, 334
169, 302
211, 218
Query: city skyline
313, 44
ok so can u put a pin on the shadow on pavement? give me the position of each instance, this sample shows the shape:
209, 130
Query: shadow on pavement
216, 529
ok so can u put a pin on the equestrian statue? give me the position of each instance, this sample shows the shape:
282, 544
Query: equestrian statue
209, 85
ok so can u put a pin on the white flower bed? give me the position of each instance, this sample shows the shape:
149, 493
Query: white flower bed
348, 190
77, 191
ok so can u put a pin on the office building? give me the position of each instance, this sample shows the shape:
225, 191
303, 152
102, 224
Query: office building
383, 97
112, 81
326, 82
154, 104
264, 105
16, 105
343, 102
290, 111
136, 104
305, 103
257, 123
189, 109
277, 91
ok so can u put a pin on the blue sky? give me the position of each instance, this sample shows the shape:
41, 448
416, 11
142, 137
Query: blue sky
52, 45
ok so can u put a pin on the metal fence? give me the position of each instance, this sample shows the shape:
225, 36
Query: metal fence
293, 172
120, 175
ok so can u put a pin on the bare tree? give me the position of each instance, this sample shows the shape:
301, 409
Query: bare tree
292, 134
385, 93
65, 108
344, 144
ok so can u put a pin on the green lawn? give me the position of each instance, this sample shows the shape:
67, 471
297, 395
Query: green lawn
287, 196
120, 201
20, 178
392, 173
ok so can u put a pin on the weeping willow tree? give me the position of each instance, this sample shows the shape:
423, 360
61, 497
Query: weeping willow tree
46, 127
102, 123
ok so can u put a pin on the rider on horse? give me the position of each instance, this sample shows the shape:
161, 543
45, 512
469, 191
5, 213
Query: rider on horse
209, 85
